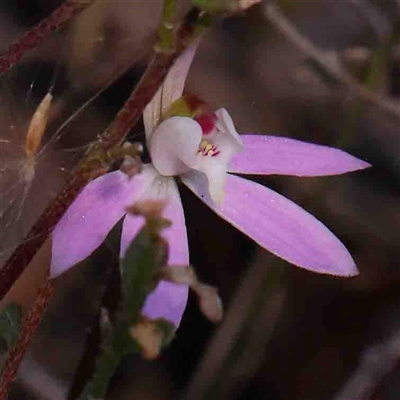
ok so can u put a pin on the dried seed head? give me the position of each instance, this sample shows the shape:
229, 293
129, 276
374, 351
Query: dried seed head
148, 208
149, 337
209, 300
37, 127
130, 166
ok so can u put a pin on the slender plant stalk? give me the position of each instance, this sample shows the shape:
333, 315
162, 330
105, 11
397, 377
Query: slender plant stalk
329, 65
30, 324
240, 341
93, 164
105, 369
376, 362
33, 38
106, 366
166, 30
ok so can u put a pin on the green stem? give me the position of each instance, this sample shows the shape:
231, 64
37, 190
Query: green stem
118, 346
166, 30
105, 368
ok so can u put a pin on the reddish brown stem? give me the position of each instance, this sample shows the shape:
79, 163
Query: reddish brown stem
90, 167
29, 326
38, 234
33, 38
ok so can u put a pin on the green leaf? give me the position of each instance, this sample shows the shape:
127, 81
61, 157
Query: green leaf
10, 324
145, 256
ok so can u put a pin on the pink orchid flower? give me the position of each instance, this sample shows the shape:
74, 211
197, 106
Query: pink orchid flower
204, 154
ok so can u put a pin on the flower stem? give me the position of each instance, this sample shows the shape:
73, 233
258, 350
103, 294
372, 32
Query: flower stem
105, 368
94, 164
29, 326
119, 345
166, 29
33, 38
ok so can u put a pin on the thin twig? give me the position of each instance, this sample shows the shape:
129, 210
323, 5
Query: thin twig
330, 63
373, 17
227, 334
33, 38
92, 164
30, 324
376, 362
260, 295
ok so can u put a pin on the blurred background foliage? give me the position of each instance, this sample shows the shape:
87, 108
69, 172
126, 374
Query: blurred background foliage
288, 333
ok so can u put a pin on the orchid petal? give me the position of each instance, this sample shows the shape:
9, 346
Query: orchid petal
174, 83
277, 224
174, 145
267, 155
93, 214
170, 91
88, 220
168, 300
229, 140
152, 114
215, 171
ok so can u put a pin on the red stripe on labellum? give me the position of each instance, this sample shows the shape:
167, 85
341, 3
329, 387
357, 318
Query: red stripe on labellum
207, 122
